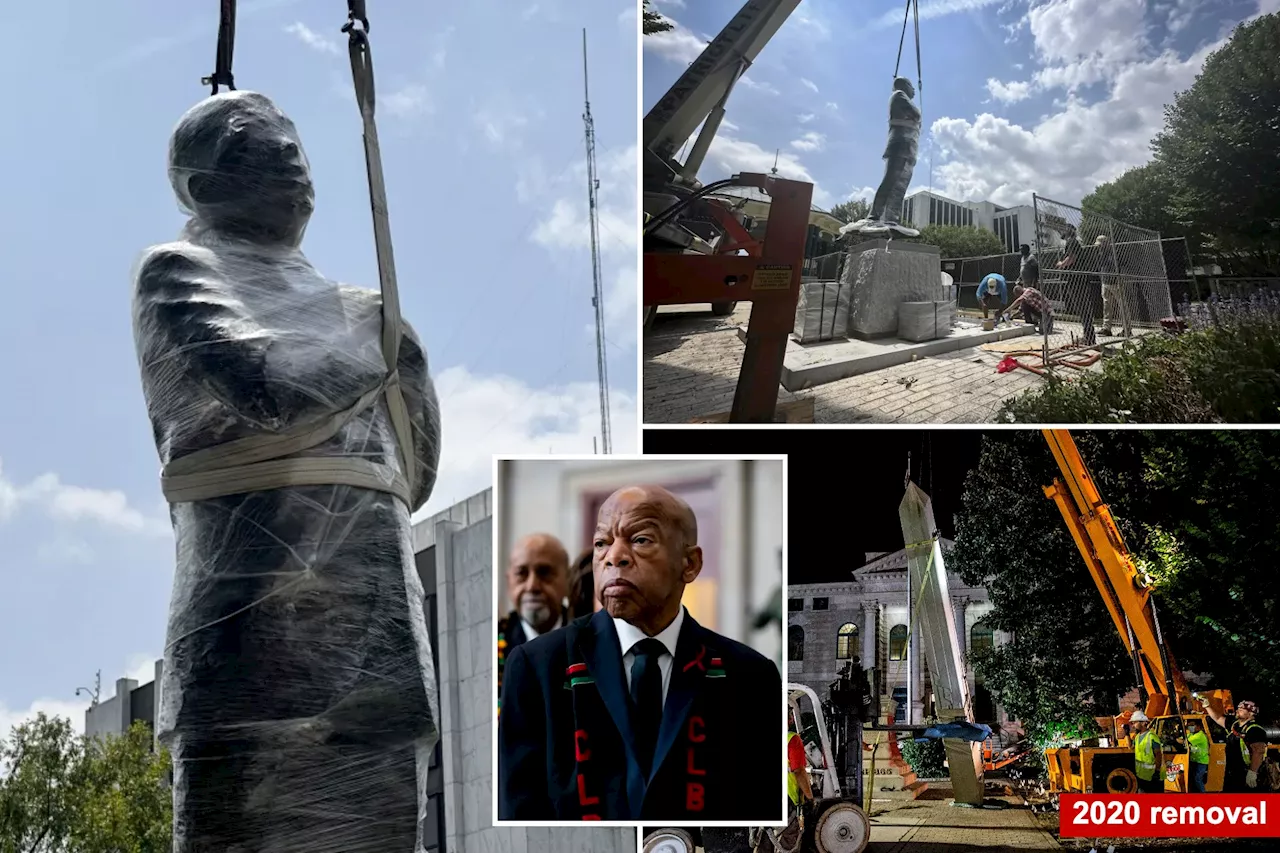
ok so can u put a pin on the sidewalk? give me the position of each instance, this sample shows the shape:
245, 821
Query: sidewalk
691, 363
932, 825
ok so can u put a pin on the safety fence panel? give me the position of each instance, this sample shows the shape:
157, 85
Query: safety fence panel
1107, 275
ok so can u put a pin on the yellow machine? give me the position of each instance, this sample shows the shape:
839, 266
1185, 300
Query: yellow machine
1105, 764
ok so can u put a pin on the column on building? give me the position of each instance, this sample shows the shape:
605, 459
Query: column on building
870, 661
958, 608
915, 671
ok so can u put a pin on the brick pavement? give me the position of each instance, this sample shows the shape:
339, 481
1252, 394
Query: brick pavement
691, 363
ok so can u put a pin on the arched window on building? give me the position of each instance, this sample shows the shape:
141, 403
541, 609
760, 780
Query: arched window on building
795, 642
898, 642
846, 641
981, 637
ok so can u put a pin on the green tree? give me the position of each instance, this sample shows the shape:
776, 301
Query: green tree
1142, 196
62, 792
1196, 510
653, 22
1061, 665
961, 241
851, 210
125, 805
1220, 140
40, 783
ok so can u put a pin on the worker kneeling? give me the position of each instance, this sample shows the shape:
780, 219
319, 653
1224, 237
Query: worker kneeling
297, 697
1147, 755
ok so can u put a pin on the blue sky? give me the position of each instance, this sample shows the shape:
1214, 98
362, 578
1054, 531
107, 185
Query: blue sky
1049, 96
480, 106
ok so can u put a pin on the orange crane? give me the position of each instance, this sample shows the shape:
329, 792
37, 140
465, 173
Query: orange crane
1105, 764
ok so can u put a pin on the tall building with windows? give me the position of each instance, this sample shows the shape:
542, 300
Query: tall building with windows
1013, 225
865, 620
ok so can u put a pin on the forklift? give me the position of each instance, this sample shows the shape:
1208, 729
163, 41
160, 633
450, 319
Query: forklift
836, 822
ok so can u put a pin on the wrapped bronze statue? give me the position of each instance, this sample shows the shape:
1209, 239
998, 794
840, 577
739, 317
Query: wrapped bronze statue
298, 696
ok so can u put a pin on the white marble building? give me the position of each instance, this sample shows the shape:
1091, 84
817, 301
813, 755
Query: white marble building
866, 617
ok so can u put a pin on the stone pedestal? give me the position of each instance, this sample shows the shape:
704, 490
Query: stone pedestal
884, 273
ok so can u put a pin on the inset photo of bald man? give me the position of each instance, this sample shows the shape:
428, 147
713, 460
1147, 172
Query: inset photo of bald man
639, 640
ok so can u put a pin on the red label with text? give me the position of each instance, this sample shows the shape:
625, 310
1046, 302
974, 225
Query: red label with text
1169, 816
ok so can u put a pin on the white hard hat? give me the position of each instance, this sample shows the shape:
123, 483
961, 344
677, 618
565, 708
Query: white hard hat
1139, 717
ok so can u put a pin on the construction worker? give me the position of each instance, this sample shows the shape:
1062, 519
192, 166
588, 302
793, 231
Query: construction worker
1197, 757
798, 787
1147, 755
1246, 748
992, 294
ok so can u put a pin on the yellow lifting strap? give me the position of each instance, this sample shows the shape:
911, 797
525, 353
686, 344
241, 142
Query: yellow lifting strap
262, 462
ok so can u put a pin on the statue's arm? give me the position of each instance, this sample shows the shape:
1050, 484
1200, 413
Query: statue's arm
187, 324
424, 411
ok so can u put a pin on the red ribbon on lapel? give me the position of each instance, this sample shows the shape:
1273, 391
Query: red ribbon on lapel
697, 661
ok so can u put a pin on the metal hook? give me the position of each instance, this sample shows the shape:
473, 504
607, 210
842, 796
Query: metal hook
356, 12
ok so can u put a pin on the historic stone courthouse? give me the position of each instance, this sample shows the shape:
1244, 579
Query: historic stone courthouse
865, 618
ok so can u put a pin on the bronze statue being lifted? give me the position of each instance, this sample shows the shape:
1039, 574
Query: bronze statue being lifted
900, 161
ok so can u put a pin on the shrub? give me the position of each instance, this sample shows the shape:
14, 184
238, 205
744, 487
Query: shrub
1224, 369
926, 757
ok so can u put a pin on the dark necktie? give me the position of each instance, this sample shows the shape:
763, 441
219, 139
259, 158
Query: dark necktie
646, 698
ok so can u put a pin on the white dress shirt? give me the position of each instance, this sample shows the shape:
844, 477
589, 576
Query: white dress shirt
531, 634
629, 635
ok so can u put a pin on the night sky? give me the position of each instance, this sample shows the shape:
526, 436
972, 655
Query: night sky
844, 486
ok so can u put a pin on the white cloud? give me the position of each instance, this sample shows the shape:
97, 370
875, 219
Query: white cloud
674, 4
729, 156
725, 124
1085, 142
864, 193
62, 502
312, 39
766, 88
811, 141
73, 711
483, 415
833, 106
809, 84
565, 225
935, 9
629, 18
141, 668
499, 126
1009, 93
408, 101
678, 45
805, 118
1067, 154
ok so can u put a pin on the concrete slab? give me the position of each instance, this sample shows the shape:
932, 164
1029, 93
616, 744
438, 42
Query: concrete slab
805, 366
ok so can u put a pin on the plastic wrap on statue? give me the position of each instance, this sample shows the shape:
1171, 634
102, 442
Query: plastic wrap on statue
298, 695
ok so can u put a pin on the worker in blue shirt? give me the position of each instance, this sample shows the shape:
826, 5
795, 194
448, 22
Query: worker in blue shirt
992, 294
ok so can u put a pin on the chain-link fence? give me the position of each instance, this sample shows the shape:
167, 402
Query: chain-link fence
1107, 275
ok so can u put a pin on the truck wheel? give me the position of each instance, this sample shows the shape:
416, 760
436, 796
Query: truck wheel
723, 309
842, 828
1121, 780
669, 841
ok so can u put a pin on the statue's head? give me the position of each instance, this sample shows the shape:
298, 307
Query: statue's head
902, 84
236, 163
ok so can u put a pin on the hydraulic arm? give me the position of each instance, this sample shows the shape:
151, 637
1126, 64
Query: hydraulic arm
1123, 587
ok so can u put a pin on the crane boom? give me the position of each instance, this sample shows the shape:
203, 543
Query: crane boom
1121, 585
700, 93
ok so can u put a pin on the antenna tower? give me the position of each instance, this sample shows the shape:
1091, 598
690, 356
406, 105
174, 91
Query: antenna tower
597, 297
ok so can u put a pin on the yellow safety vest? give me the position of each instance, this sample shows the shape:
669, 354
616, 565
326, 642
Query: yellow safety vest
1199, 746
1244, 747
1144, 756
793, 787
